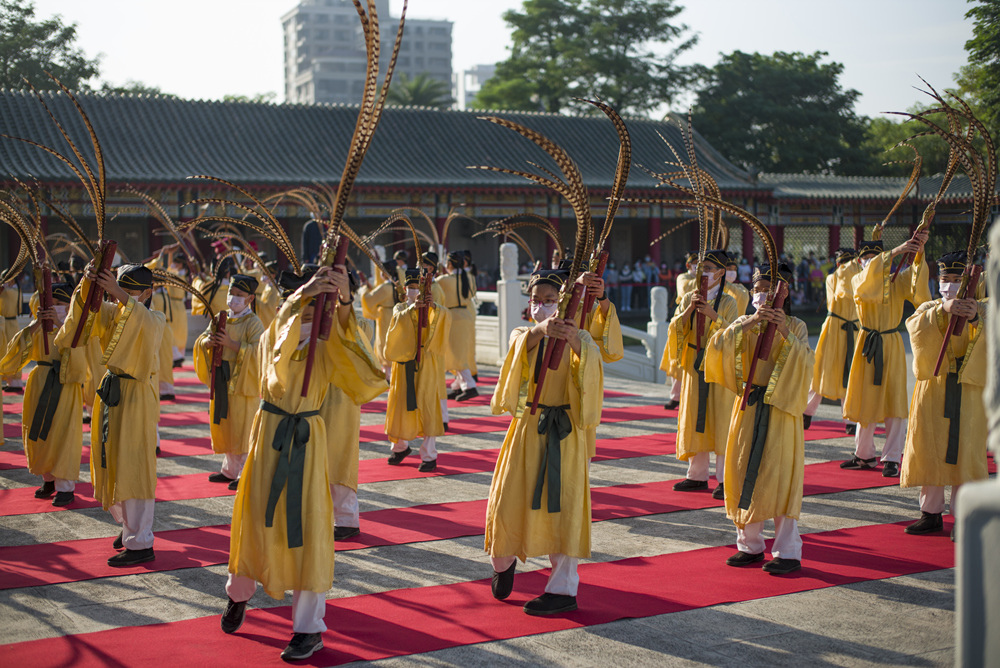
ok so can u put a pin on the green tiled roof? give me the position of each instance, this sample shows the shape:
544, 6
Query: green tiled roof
157, 140
806, 186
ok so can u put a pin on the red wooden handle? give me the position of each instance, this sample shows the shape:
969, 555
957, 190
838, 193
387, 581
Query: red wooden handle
553, 354
588, 300
957, 324
45, 302
700, 317
318, 306
325, 319
220, 326
92, 301
763, 348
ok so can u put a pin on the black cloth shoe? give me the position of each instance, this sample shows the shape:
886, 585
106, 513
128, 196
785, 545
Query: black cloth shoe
688, 485
890, 470
719, 492
851, 428
427, 467
550, 604
157, 451
118, 545
671, 405
742, 558
178, 363
343, 533
15, 390
807, 421
855, 463
63, 499
132, 557
396, 458
503, 583
446, 426
452, 394
302, 646
167, 397
86, 419
781, 566
47, 489
468, 394
219, 477
234, 485
233, 616
928, 523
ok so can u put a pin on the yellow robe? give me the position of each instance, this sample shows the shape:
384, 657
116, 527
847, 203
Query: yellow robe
740, 294
681, 339
218, 300
261, 552
170, 301
95, 370
59, 454
377, 304
786, 373
266, 302
130, 337
165, 372
927, 436
835, 343
232, 434
685, 284
512, 527
10, 308
461, 348
880, 307
343, 422
606, 330
401, 347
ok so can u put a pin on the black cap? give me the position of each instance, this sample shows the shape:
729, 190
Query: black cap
430, 257
401, 255
412, 277
844, 255
243, 282
953, 263
554, 277
764, 273
135, 277
62, 291
871, 246
717, 256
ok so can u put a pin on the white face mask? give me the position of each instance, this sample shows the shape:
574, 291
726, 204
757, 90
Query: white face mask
731, 276
542, 312
412, 294
304, 332
236, 304
949, 290
61, 311
865, 261
758, 300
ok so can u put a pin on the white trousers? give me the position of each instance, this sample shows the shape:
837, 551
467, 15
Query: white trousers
308, 607
166, 388
136, 518
932, 499
465, 380
698, 467
675, 390
895, 438
232, 465
345, 506
61, 485
428, 449
444, 410
814, 401
178, 353
563, 579
787, 543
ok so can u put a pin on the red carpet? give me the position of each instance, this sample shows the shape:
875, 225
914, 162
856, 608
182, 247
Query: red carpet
410, 621
30, 565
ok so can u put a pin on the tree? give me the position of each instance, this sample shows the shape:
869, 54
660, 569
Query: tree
420, 91
259, 98
980, 79
610, 49
133, 87
29, 48
782, 113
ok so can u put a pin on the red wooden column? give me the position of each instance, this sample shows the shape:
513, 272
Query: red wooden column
834, 239
554, 218
778, 234
859, 235
748, 237
654, 232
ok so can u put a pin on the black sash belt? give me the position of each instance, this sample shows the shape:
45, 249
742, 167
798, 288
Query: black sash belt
290, 439
110, 392
48, 401
952, 406
872, 349
761, 420
851, 327
555, 423
410, 369
702, 391
220, 408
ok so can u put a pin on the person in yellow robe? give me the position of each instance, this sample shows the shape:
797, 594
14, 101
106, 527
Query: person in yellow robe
461, 349
416, 390
10, 307
765, 449
685, 284
236, 383
377, 304
216, 290
95, 371
703, 418
876, 389
539, 502
606, 331
282, 527
835, 349
170, 300
947, 445
51, 428
343, 420
161, 303
473, 304
127, 408
267, 297
734, 289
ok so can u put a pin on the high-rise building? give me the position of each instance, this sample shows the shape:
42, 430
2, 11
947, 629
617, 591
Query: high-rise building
325, 53
467, 84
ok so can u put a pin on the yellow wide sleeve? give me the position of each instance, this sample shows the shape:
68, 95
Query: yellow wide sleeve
18, 353
511, 390
788, 389
606, 330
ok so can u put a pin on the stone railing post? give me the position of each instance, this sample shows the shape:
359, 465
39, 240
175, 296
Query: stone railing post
510, 301
657, 327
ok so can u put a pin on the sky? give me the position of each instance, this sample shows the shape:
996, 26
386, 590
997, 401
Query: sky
205, 49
